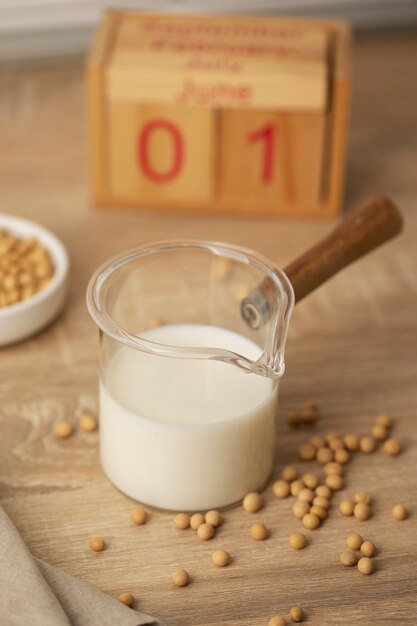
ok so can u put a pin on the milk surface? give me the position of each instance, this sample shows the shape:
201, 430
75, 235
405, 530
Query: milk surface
186, 434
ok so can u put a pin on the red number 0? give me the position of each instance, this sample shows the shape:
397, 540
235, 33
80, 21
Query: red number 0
265, 134
143, 151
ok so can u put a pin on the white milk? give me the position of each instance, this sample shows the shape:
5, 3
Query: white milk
186, 434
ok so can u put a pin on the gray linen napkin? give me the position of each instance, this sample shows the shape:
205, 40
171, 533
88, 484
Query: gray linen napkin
33, 592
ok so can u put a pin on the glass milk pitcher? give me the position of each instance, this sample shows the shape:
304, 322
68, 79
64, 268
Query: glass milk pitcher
189, 371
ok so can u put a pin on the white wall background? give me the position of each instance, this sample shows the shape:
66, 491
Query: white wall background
36, 28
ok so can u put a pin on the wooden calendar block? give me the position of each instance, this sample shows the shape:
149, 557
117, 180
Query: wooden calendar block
272, 159
287, 39
153, 152
219, 113
165, 59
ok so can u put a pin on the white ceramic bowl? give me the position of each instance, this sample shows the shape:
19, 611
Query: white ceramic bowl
21, 320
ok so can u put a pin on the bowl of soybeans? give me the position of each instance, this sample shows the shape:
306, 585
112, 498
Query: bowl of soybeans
34, 270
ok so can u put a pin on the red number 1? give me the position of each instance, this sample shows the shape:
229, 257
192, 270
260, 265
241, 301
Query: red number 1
177, 155
266, 134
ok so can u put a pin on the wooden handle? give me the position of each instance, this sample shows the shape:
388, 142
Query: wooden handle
365, 228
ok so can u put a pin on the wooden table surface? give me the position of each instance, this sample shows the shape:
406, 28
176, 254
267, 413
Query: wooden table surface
352, 347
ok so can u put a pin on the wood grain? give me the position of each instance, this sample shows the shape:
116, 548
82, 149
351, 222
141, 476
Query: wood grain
352, 347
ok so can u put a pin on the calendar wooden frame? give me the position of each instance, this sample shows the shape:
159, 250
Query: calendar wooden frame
335, 125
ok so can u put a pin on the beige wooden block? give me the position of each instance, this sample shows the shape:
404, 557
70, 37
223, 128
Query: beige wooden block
220, 61
161, 152
170, 38
296, 88
280, 37
274, 158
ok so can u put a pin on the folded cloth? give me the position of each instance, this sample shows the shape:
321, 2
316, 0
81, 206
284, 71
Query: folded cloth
33, 592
